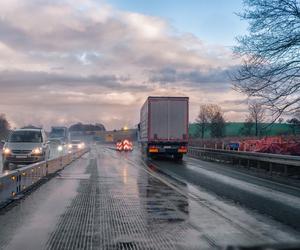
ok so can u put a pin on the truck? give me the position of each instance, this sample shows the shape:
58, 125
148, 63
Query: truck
163, 127
60, 133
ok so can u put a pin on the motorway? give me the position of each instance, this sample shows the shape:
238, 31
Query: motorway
118, 200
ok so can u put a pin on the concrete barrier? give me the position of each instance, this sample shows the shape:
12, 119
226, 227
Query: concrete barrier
13, 183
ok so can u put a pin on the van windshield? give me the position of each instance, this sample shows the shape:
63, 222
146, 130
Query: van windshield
26, 136
57, 132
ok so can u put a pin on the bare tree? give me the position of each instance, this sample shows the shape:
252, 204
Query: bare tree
4, 126
280, 120
257, 116
217, 124
211, 116
202, 119
247, 126
271, 54
295, 123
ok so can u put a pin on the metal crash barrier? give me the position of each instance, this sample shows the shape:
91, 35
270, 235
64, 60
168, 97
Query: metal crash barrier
271, 163
17, 181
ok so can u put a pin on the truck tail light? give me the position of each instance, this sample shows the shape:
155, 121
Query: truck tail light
153, 149
182, 149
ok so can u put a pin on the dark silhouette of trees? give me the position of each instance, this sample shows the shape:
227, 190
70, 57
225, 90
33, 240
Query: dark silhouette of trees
247, 127
257, 116
4, 127
211, 117
79, 127
270, 53
217, 124
30, 126
202, 120
295, 123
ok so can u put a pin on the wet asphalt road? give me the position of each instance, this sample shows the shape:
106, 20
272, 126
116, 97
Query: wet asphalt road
1, 161
113, 200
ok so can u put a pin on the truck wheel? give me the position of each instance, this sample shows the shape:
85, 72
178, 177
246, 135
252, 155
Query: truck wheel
178, 157
5, 166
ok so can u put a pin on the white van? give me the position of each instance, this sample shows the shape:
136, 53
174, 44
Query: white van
25, 146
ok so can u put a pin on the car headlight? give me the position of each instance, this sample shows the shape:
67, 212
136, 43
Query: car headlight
37, 151
60, 148
6, 151
69, 145
79, 146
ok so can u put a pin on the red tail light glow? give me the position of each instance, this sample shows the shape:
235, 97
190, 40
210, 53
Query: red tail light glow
182, 149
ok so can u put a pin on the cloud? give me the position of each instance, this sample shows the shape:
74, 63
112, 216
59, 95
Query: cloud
87, 61
16, 80
208, 79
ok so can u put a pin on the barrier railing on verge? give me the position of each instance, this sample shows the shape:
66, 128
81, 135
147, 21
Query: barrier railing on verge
17, 181
269, 162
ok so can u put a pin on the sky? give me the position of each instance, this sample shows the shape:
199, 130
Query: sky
68, 61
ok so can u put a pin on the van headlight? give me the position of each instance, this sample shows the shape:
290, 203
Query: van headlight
37, 151
60, 148
6, 151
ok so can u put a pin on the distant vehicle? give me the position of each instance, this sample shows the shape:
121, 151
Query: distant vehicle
25, 146
76, 144
56, 141
232, 146
1, 144
124, 145
57, 144
61, 133
163, 127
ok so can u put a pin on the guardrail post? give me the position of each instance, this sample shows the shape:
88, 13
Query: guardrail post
270, 168
285, 171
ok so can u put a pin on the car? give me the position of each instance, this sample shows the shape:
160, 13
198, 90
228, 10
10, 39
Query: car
25, 146
61, 133
76, 144
57, 145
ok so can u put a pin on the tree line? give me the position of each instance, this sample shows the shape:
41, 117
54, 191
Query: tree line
4, 127
270, 71
211, 119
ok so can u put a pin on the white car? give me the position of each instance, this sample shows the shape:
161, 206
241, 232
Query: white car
76, 144
25, 146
